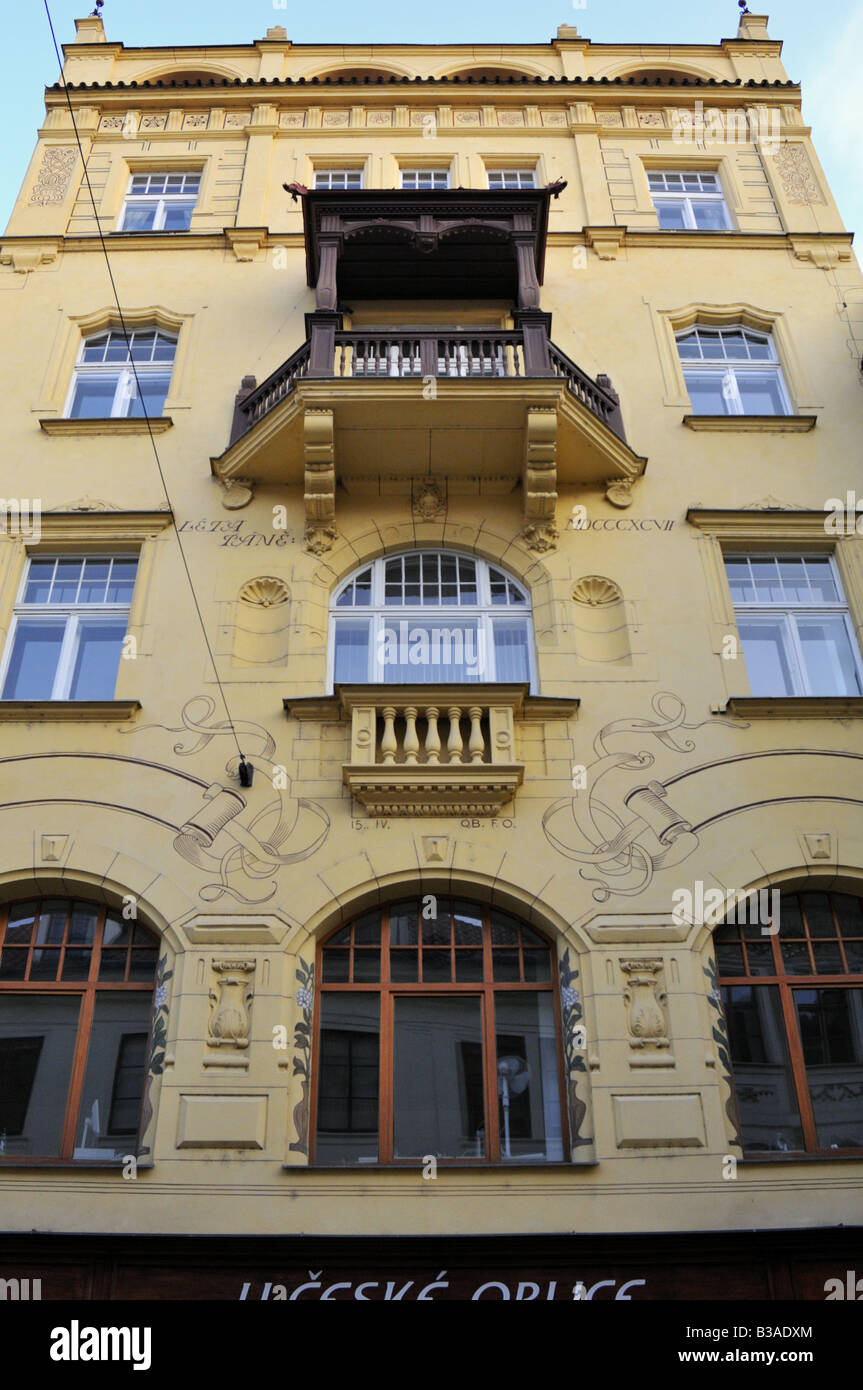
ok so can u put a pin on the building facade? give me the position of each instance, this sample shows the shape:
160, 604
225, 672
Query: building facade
431, 594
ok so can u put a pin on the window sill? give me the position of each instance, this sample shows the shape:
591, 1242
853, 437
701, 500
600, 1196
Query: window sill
759, 424
794, 706
117, 1164
107, 425
849, 1156
451, 1165
67, 711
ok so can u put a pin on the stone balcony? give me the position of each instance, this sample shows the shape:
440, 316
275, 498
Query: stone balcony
432, 750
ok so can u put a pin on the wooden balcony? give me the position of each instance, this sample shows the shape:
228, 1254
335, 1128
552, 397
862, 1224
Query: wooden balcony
407, 402
428, 354
432, 750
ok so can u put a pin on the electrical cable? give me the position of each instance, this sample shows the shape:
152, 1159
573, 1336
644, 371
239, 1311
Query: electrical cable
245, 769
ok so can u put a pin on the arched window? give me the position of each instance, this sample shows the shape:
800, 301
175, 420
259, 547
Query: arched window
431, 616
793, 1001
438, 1034
76, 995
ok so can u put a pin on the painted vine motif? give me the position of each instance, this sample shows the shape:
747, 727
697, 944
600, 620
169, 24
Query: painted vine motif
720, 1037
156, 1064
572, 1013
305, 975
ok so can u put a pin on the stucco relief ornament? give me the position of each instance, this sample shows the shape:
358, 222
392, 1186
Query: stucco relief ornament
305, 975
573, 1048
235, 855
541, 536
55, 171
797, 175
623, 837
644, 998
230, 1003
428, 499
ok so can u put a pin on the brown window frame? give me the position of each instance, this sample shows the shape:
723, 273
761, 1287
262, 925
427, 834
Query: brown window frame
787, 983
86, 991
387, 990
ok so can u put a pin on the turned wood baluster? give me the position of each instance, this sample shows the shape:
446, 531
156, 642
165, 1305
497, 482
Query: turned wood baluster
454, 742
477, 742
412, 743
432, 748
388, 742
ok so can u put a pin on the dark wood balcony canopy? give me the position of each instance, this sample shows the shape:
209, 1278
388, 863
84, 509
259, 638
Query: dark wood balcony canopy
402, 244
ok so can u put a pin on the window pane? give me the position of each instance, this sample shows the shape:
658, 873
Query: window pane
347, 1130
140, 217
114, 1080
152, 393
33, 664
672, 217
527, 1078
92, 588
766, 1098
760, 393
766, 657
178, 216
94, 397
37, 1045
437, 1078
512, 662
66, 581
827, 656
352, 653
709, 217
122, 581
705, 393
831, 1031
39, 577
96, 663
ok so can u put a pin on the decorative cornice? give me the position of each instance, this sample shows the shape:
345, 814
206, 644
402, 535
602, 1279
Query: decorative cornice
748, 524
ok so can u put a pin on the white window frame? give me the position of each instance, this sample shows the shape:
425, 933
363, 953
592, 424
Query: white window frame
162, 201
378, 616
124, 390
417, 172
709, 191
70, 613
786, 613
729, 366
524, 175
324, 180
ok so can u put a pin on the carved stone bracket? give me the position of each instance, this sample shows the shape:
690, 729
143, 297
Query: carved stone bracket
644, 997
618, 492
237, 492
230, 1004
540, 480
320, 480
607, 242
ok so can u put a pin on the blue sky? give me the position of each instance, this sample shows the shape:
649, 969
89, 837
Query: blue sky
822, 47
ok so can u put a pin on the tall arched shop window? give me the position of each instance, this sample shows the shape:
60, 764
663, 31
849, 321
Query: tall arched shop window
433, 617
438, 1034
76, 995
794, 1006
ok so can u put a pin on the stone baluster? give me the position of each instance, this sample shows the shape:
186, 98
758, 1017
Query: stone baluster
412, 742
454, 742
477, 742
388, 742
432, 748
